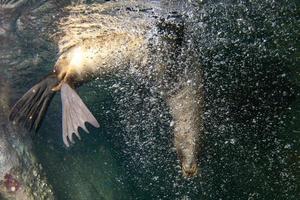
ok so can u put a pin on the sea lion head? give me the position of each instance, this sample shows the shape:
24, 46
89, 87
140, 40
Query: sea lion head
187, 152
187, 123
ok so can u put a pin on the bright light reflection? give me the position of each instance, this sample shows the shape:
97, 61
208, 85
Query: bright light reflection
77, 57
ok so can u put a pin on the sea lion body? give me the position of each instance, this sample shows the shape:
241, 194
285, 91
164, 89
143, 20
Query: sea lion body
88, 49
100, 55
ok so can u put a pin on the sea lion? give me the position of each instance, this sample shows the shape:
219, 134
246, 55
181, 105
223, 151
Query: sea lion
112, 37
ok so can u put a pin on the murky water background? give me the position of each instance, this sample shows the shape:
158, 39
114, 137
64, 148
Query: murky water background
248, 52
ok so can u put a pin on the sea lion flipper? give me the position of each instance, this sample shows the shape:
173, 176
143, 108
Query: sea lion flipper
30, 110
75, 114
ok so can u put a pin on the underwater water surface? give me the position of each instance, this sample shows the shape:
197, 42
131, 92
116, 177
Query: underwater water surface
249, 54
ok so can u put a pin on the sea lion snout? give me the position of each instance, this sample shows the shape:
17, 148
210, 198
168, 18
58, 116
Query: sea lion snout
189, 169
187, 151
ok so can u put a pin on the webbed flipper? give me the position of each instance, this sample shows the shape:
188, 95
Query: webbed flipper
75, 114
30, 110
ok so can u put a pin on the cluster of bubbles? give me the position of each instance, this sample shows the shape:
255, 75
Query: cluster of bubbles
247, 53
